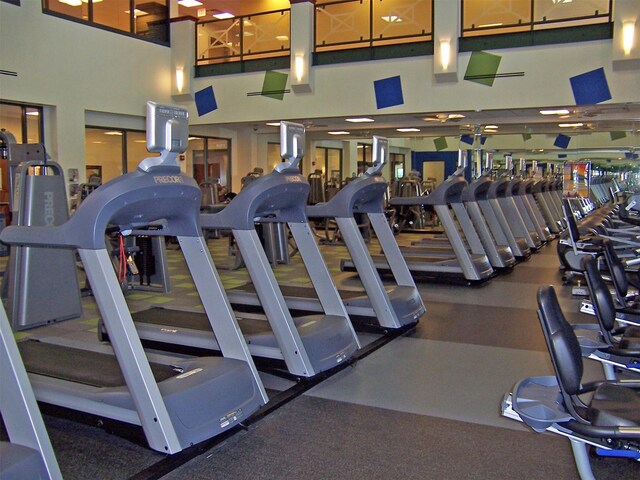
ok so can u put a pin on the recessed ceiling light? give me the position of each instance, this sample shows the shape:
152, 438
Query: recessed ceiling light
452, 116
189, 3
359, 120
491, 127
223, 15
407, 129
273, 124
341, 132
33, 112
560, 111
282, 38
113, 133
391, 18
569, 125
72, 3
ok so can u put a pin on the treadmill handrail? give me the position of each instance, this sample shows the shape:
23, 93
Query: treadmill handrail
362, 195
449, 191
275, 197
117, 202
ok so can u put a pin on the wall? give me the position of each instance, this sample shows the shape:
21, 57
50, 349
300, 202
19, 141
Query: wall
347, 89
73, 68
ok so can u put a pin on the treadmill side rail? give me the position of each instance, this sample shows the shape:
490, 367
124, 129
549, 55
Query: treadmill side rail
18, 405
153, 413
230, 340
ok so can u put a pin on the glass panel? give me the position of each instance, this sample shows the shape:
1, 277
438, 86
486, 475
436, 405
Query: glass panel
154, 25
333, 166
397, 165
343, 22
266, 33
401, 18
195, 153
218, 39
478, 14
103, 150
273, 156
136, 149
72, 8
11, 120
320, 156
549, 10
364, 157
33, 124
218, 160
114, 14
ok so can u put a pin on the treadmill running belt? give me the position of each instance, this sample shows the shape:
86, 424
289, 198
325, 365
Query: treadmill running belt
303, 292
166, 317
80, 366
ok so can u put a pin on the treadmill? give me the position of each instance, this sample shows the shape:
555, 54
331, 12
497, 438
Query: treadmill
493, 239
28, 453
456, 265
554, 224
502, 200
177, 402
517, 190
308, 344
392, 307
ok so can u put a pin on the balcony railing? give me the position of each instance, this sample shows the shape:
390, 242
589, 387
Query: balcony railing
366, 23
249, 37
512, 16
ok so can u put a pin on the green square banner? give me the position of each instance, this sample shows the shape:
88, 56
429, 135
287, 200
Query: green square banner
440, 143
274, 85
482, 68
617, 135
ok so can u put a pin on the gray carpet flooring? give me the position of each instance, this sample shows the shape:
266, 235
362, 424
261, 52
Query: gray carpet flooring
425, 406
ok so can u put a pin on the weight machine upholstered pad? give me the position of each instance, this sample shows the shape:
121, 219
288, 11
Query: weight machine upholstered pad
615, 406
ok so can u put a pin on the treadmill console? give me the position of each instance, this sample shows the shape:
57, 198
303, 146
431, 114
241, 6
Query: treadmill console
291, 145
380, 154
167, 128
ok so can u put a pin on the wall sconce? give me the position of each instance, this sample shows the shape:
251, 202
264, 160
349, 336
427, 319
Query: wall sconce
628, 34
299, 66
179, 79
445, 53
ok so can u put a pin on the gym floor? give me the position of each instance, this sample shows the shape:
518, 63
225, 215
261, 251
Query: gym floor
426, 405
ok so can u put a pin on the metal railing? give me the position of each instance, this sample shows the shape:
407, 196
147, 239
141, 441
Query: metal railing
366, 23
248, 37
528, 15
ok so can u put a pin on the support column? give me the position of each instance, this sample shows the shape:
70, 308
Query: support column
446, 30
626, 34
302, 28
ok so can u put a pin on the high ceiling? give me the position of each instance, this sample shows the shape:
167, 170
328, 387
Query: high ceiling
595, 118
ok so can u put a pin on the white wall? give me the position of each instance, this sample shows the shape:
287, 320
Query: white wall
73, 68
347, 89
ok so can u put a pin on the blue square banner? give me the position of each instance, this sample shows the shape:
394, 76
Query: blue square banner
205, 101
562, 141
466, 139
590, 88
388, 92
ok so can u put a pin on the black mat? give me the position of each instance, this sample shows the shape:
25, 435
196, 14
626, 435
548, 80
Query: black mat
79, 366
297, 291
